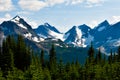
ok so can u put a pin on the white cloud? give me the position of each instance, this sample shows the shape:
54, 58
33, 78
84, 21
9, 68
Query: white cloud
91, 3
7, 15
54, 2
5, 18
94, 1
76, 1
93, 23
6, 5
114, 19
32, 5
36, 5
23, 12
33, 24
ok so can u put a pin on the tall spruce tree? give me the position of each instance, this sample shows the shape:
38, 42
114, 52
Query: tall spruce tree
42, 58
6, 56
99, 57
118, 57
22, 55
110, 58
91, 54
52, 57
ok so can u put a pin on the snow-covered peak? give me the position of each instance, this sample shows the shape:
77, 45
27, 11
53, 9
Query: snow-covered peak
75, 32
20, 22
48, 31
16, 18
78, 32
73, 36
17, 21
46, 24
72, 30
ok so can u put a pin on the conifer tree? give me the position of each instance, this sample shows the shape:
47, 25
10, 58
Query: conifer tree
47, 75
118, 58
104, 59
22, 55
61, 67
6, 57
1, 75
52, 58
99, 57
91, 54
42, 58
114, 58
110, 58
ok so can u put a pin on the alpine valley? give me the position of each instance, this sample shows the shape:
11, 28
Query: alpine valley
73, 43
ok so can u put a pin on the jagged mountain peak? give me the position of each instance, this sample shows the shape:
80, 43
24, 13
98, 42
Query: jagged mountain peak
84, 28
47, 24
21, 22
102, 26
83, 25
73, 29
104, 23
17, 17
48, 27
18, 25
73, 36
47, 31
116, 24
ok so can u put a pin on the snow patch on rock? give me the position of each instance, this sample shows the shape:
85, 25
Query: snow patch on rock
101, 28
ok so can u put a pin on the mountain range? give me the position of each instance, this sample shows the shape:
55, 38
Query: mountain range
104, 36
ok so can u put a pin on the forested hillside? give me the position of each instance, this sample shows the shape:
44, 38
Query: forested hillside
19, 62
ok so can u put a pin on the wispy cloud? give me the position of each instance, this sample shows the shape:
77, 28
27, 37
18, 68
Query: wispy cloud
6, 5
114, 19
54, 2
93, 23
91, 3
33, 24
23, 12
36, 5
32, 5
6, 17
76, 1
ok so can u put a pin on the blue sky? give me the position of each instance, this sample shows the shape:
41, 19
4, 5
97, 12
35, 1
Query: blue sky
63, 14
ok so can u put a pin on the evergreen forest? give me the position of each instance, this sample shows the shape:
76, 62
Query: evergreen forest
19, 62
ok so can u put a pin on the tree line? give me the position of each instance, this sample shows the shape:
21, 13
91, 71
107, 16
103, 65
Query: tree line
19, 62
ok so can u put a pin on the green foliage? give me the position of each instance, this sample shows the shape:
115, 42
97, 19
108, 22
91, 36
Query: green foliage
15, 74
42, 58
19, 62
91, 54
52, 59
98, 58
22, 55
1, 75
